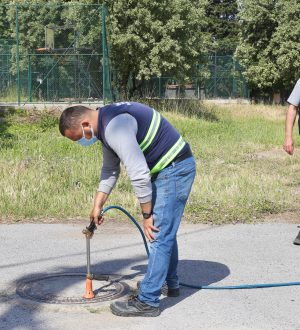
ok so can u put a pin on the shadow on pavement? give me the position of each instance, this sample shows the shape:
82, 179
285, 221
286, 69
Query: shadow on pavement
195, 272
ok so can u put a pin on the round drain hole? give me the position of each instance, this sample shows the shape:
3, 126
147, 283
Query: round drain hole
68, 289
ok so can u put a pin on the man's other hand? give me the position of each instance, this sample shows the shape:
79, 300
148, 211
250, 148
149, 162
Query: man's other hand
149, 228
289, 146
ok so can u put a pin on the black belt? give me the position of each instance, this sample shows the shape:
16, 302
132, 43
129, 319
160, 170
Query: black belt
188, 153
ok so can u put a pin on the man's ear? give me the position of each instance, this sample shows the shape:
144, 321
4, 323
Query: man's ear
85, 123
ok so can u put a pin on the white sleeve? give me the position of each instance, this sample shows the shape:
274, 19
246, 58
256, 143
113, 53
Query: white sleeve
294, 98
120, 134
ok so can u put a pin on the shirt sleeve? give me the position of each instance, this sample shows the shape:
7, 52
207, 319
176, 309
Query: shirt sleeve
294, 98
120, 134
110, 171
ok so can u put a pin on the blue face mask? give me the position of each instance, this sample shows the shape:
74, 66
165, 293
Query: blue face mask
84, 142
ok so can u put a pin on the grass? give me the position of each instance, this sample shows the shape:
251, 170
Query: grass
241, 172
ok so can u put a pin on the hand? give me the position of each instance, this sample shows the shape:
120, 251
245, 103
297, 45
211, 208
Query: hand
96, 215
289, 145
149, 228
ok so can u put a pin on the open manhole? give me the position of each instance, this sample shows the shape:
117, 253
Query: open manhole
68, 289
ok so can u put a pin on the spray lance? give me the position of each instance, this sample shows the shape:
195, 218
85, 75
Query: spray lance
89, 294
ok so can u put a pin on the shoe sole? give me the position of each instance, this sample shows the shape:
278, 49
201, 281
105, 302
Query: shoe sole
296, 242
141, 314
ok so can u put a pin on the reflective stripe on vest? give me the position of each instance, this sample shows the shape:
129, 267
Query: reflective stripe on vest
169, 156
153, 128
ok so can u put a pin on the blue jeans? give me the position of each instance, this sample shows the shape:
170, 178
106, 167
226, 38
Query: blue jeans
171, 189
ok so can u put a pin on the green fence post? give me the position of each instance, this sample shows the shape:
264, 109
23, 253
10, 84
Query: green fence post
215, 75
107, 95
29, 79
159, 86
18, 56
234, 85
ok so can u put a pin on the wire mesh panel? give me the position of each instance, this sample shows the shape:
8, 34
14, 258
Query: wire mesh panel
65, 77
7, 79
216, 77
226, 79
58, 53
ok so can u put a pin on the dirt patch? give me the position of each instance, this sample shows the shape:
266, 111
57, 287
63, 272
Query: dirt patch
271, 154
296, 190
286, 217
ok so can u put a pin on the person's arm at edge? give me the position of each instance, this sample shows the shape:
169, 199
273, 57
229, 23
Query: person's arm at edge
294, 101
289, 125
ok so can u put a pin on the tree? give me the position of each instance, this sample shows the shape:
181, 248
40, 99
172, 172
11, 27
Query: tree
152, 38
4, 25
223, 25
269, 43
285, 43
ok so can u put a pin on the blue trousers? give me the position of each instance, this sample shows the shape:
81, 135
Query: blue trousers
171, 189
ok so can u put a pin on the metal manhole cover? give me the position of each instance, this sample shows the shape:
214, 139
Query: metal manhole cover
67, 289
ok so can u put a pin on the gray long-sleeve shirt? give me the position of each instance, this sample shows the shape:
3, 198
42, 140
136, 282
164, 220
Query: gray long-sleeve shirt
294, 98
120, 134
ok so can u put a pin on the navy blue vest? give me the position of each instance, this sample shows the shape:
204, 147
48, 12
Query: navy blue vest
165, 137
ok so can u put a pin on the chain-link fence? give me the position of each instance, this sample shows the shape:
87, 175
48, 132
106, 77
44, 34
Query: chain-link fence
67, 77
226, 79
217, 77
7, 79
54, 53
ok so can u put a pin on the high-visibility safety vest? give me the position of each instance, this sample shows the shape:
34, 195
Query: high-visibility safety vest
160, 142
171, 154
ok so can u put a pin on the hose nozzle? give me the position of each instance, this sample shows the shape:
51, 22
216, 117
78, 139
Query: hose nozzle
89, 231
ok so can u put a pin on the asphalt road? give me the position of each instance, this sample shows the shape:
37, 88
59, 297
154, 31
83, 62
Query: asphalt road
231, 254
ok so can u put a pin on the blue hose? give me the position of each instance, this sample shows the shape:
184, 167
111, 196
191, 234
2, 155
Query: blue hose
207, 287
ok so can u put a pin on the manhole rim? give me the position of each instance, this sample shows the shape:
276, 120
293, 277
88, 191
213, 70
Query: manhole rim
121, 287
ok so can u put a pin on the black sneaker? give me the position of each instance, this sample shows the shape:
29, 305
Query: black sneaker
169, 292
297, 239
133, 307
165, 290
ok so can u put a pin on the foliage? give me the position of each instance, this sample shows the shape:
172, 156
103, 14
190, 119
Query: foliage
269, 43
4, 25
151, 38
285, 42
223, 25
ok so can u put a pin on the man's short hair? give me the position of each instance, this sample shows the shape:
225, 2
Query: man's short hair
70, 117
